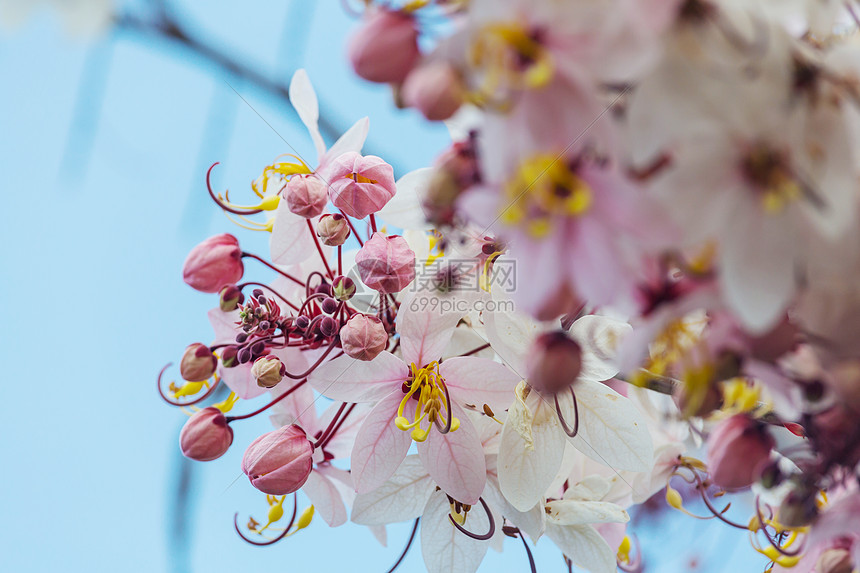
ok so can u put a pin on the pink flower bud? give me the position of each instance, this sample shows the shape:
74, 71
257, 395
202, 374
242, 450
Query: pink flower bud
738, 450
436, 90
268, 371
385, 48
206, 435
553, 363
333, 230
386, 264
363, 337
279, 462
214, 263
306, 196
231, 298
360, 185
198, 363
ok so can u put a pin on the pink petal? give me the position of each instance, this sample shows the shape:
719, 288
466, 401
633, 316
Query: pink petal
239, 380
456, 460
479, 381
380, 446
297, 408
224, 325
326, 498
424, 334
341, 444
291, 241
350, 380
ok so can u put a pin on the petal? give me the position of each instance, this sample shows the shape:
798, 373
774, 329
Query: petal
351, 140
445, 549
456, 460
340, 446
405, 209
511, 335
224, 325
326, 499
380, 446
479, 381
611, 429
304, 100
584, 546
401, 498
297, 408
530, 453
291, 241
239, 380
532, 522
599, 337
424, 334
350, 380
569, 512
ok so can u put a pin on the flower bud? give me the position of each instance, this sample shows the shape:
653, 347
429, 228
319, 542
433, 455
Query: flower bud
738, 450
214, 263
229, 357
306, 196
360, 185
835, 561
363, 337
329, 305
386, 264
436, 90
198, 363
798, 509
333, 230
231, 298
328, 326
279, 462
206, 435
554, 362
342, 288
385, 48
268, 371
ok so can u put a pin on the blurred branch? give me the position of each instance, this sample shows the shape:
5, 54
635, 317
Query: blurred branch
165, 27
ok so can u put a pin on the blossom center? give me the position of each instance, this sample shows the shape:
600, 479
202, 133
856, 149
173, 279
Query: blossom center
427, 388
542, 188
511, 56
767, 170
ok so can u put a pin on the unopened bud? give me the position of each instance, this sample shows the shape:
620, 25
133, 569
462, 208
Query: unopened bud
268, 371
363, 337
279, 462
231, 298
198, 363
329, 305
738, 449
386, 264
306, 195
214, 263
328, 326
206, 435
333, 230
342, 288
554, 362
435, 89
385, 48
229, 357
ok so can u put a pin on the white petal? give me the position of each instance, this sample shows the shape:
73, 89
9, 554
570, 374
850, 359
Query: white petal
304, 100
445, 549
424, 333
569, 512
405, 210
584, 546
530, 453
600, 338
380, 446
351, 140
611, 429
291, 241
352, 380
532, 522
401, 498
326, 499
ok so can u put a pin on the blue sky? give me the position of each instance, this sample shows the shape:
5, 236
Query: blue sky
103, 152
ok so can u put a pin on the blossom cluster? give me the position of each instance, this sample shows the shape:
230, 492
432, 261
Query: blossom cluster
634, 272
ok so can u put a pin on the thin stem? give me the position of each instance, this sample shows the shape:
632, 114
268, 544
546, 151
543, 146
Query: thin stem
406, 549
567, 430
192, 402
273, 267
315, 364
270, 289
529, 554
482, 537
372, 222
269, 405
333, 433
221, 203
319, 249
476, 350
270, 541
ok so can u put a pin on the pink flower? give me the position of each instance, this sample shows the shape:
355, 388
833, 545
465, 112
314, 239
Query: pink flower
436, 90
306, 196
279, 462
385, 48
738, 448
214, 263
386, 264
360, 185
206, 435
454, 459
333, 230
363, 337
